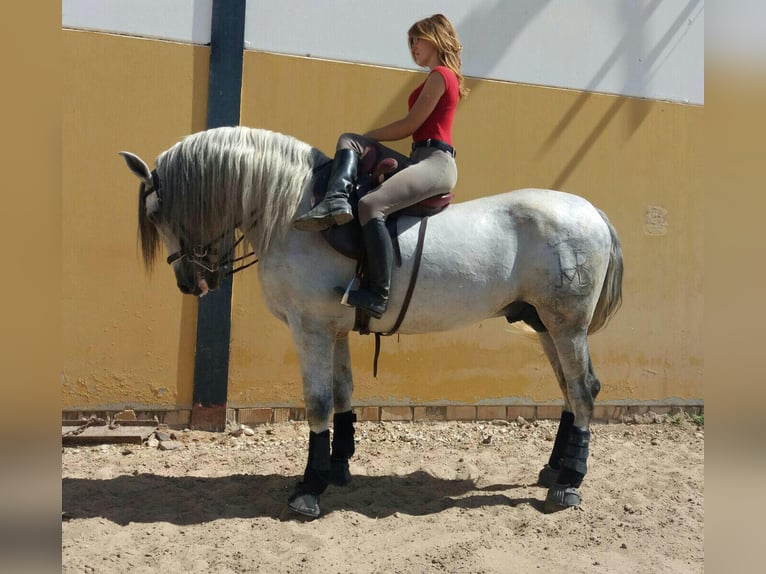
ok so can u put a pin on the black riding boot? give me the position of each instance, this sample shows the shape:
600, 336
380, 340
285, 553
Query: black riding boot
379, 254
334, 209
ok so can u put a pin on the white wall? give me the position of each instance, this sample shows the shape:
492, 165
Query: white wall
645, 48
179, 20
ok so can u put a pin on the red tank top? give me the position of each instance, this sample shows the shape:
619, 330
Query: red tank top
438, 125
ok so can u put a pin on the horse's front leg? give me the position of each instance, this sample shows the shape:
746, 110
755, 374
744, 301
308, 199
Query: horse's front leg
314, 345
343, 419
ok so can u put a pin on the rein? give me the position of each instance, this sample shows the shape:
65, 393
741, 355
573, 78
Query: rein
199, 253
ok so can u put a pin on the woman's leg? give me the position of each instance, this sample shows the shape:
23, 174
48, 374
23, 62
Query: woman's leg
433, 175
334, 209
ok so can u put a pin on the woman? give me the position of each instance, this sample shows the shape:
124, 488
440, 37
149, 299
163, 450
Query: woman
431, 169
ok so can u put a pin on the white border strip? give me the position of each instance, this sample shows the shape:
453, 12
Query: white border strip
644, 48
177, 20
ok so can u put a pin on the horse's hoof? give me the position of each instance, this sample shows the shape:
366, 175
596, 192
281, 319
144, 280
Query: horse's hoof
305, 504
547, 476
561, 497
340, 475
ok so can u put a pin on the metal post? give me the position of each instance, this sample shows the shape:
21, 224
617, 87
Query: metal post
211, 359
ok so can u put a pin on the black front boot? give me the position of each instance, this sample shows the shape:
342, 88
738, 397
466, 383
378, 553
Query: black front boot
379, 254
334, 209
316, 477
342, 447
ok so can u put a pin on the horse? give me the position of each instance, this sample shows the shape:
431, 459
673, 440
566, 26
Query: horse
547, 258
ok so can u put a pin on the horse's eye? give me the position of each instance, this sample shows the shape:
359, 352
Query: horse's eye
153, 215
153, 208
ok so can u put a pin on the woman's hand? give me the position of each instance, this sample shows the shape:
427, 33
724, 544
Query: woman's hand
421, 109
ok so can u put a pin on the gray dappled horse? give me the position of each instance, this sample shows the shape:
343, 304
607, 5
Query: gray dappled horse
544, 257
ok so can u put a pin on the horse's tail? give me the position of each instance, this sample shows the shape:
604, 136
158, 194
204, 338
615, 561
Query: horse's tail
611, 291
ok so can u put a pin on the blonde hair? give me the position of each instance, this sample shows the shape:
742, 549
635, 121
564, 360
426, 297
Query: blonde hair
438, 30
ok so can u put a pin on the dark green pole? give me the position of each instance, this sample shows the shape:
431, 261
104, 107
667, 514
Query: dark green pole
211, 359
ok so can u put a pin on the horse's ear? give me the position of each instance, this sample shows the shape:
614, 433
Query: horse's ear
137, 166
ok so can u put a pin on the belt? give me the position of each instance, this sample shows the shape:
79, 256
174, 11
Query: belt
438, 144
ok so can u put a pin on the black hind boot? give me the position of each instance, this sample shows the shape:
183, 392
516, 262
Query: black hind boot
563, 494
334, 209
550, 471
342, 447
379, 254
574, 464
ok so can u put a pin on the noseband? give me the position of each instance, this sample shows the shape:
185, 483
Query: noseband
197, 255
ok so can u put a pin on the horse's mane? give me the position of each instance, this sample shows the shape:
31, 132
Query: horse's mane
216, 180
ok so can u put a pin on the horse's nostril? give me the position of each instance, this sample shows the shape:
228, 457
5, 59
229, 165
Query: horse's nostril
184, 288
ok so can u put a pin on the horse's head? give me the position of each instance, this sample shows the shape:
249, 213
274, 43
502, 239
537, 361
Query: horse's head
197, 265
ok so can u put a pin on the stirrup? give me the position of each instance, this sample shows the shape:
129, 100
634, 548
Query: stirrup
367, 302
350, 287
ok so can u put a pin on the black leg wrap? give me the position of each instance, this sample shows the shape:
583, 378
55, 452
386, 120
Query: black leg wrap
550, 472
317, 474
574, 464
342, 447
305, 498
343, 435
562, 437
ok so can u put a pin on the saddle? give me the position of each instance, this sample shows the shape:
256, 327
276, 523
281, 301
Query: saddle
347, 239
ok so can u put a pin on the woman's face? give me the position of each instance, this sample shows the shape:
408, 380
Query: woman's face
424, 52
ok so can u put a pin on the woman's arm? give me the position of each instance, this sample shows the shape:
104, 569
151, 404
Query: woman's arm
421, 109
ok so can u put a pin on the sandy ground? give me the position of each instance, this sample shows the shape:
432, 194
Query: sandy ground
426, 497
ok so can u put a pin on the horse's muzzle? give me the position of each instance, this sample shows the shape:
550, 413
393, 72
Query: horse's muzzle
192, 280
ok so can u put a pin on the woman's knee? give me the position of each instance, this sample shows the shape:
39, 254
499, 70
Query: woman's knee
349, 140
368, 210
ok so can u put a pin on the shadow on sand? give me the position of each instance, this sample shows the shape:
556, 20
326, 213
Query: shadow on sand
188, 500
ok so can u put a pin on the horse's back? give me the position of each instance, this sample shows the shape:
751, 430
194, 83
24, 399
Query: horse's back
528, 214
538, 246
538, 206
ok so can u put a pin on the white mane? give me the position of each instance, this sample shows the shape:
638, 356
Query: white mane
215, 180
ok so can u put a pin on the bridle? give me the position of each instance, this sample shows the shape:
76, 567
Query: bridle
197, 254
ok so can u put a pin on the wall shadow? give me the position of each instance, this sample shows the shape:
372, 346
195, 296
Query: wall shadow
632, 46
494, 29
194, 500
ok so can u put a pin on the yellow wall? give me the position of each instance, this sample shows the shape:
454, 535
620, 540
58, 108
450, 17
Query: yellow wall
129, 339
625, 155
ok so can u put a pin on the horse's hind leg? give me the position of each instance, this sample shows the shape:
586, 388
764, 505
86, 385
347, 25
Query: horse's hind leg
582, 387
344, 418
550, 471
315, 348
